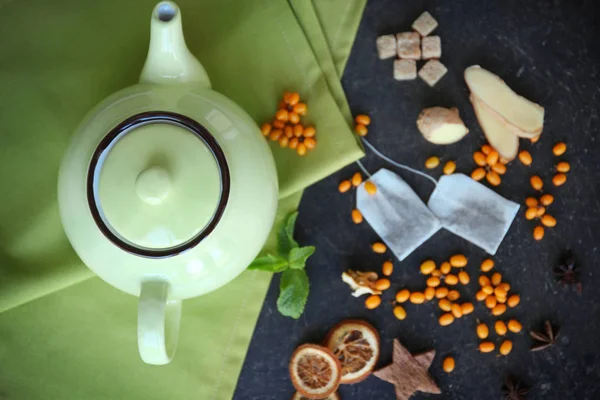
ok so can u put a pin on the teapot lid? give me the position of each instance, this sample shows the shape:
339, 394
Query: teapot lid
158, 183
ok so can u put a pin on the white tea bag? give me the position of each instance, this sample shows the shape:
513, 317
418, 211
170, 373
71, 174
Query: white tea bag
396, 213
472, 211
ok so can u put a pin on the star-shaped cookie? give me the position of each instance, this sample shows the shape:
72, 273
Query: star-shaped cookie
408, 373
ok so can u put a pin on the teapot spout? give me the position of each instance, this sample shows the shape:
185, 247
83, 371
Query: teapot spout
169, 60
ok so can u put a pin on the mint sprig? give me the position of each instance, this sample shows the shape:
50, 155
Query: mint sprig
290, 261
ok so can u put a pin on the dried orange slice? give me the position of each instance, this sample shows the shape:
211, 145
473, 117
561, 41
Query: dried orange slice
334, 396
356, 345
315, 371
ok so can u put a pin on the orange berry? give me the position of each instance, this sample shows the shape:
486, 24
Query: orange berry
449, 168
356, 179
532, 201
309, 131
479, 159
486, 149
559, 179
525, 157
297, 130
379, 247
493, 178
538, 233
467, 308
282, 115
482, 331
536, 182
486, 347
293, 117
445, 267
500, 328
480, 295
496, 278
293, 99
372, 302
427, 267
446, 319
492, 158
491, 302
484, 281
282, 105
288, 131
506, 347
549, 221
540, 211
448, 364
310, 143
514, 326
265, 129
458, 261
445, 305
456, 310
361, 130
400, 312
283, 141
478, 174
499, 309
432, 162
429, 293
514, 300
487, 265
563, 166
547, 199
363, 119
417, 298
382, 284
559, 149
531, 213
441, 292
464, 278
500, 293
275, 134
535, 139
278, 124
344, 186
301, 149
294, 144
402, 295
433, 282
370, 187
286, 97
488, 290
357, 216
387, 268
504, 286
499, 168
453, 295
300, 109
451, 279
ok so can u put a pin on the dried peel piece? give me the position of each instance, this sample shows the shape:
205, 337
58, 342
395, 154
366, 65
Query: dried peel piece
334, 396
356, 345
315, 371
361, 282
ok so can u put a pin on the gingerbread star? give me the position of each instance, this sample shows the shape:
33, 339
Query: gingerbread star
408, 373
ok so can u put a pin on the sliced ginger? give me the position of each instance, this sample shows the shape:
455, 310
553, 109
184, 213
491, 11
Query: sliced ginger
515, 110
498, 135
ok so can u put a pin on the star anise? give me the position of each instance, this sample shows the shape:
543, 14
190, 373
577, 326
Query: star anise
514, 389
546, 339
566, 272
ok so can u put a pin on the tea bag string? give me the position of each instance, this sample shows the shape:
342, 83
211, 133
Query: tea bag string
394, 163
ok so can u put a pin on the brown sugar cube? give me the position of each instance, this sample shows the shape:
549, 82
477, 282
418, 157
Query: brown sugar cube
405, 70
409, 45
425, 24
432, 72
386, 46
432, 47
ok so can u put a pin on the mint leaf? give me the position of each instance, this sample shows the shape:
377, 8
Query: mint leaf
293, 292
299, 255
269, 263
285, 237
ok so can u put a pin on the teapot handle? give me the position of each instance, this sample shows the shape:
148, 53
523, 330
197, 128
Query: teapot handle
158, 322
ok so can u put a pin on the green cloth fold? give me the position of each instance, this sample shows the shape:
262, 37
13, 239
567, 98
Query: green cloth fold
73, 336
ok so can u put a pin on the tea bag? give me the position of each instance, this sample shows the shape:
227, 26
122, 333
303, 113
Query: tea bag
396, 213
472, 211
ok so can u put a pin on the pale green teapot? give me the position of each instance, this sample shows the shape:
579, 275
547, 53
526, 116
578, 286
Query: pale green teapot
168, 189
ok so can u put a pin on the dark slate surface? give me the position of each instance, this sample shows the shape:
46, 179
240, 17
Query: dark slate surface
547, 51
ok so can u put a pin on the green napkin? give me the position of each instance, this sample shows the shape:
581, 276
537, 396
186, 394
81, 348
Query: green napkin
59, 61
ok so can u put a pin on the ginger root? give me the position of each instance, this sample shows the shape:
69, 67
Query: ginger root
441, 125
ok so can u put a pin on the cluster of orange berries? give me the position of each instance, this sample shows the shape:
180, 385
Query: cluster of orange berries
490, 165
286, 127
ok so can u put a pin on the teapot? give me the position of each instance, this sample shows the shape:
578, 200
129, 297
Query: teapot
168, 189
